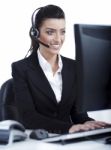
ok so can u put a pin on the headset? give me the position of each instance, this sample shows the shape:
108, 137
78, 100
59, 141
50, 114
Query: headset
34, 33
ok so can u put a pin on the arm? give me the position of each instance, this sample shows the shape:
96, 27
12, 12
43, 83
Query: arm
82, 122
79, 117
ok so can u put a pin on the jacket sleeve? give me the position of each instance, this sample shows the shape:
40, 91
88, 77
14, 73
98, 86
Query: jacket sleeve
28, 116
79, 117
77, 114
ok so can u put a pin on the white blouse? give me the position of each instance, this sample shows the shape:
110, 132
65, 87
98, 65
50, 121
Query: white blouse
54, 80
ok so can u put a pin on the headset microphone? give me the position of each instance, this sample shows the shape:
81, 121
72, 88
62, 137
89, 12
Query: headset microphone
46, 45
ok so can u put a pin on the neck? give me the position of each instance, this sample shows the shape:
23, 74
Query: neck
52, 59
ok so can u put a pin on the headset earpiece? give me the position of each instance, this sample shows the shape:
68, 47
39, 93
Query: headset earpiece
34, 33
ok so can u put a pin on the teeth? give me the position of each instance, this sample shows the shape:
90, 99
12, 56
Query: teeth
56, 46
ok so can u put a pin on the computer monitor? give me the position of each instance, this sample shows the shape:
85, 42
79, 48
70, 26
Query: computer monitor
93, 57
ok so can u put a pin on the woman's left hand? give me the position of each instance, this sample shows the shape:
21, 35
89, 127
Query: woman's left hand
96, 124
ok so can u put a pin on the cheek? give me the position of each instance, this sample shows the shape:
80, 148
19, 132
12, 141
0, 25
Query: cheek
44, 38
63, 39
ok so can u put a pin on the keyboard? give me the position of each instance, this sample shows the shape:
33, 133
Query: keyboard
106, 131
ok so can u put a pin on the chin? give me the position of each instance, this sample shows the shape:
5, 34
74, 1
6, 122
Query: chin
55, 51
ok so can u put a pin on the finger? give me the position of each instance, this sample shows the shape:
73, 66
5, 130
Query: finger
96, 124
77, 128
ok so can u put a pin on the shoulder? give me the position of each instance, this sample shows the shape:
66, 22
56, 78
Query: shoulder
68, 61
19, 68
31, 60
20, 63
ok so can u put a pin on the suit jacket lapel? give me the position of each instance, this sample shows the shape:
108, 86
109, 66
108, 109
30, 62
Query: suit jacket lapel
68, 78
38, 77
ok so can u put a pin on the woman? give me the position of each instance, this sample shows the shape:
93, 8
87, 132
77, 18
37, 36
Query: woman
45, 82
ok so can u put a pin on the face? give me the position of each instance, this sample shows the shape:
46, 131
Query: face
52, 32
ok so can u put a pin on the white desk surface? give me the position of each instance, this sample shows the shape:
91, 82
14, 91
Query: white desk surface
36, 145
30, 144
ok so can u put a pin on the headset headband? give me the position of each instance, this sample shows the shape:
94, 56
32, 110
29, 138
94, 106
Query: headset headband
34, 16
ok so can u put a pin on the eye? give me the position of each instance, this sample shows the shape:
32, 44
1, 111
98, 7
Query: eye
63, 32
50, 32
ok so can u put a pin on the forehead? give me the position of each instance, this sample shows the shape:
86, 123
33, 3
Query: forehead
53, 23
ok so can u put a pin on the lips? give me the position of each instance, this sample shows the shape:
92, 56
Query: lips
55, 46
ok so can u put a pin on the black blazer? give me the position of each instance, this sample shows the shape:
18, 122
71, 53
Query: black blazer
36, 100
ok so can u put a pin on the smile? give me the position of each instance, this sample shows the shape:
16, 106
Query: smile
55, 46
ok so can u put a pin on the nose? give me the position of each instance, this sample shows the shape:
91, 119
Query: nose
57, 37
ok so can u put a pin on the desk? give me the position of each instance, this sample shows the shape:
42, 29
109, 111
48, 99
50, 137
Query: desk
99, 144
35, 145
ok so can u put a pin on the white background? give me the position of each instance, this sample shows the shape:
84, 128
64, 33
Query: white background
15, 22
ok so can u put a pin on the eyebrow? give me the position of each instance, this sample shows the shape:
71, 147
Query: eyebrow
54, 29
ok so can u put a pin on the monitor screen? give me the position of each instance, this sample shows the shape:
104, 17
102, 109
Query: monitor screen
93, 56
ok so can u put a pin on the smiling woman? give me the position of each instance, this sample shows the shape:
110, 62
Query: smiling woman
45, 81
